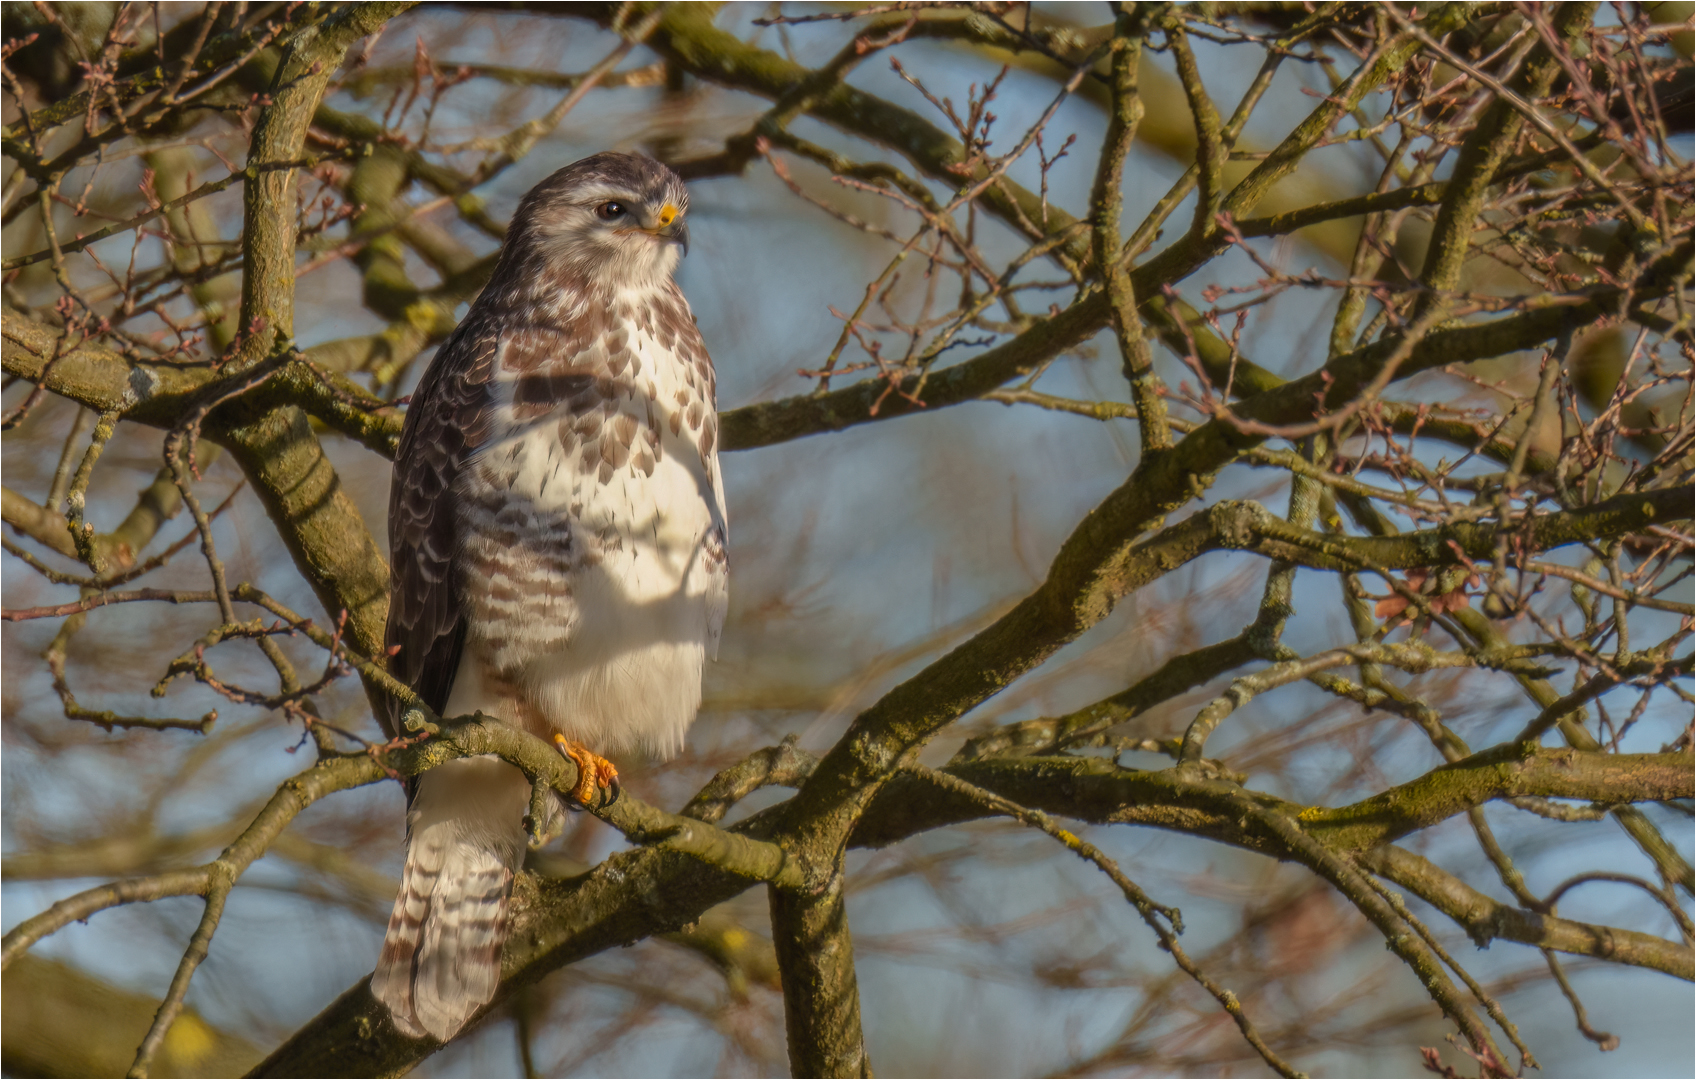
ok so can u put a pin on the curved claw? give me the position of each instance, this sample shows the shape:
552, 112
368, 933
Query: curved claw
593, 772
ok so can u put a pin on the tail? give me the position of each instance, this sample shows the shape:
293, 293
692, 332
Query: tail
441, 958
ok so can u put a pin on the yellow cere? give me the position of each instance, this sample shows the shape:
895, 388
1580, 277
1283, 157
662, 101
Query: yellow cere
668, 213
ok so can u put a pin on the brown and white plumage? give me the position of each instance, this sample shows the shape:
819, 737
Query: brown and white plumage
557, 536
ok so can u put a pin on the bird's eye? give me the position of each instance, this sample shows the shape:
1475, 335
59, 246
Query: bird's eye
610, 211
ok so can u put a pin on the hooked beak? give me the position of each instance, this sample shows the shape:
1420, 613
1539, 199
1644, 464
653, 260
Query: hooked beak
669, 225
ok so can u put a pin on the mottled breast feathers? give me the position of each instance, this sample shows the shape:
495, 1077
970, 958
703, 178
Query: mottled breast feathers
568, 359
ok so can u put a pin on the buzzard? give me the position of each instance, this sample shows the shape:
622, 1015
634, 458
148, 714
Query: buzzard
557, 538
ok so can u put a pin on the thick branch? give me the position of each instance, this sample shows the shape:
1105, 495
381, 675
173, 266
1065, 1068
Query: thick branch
1487, 920
821, 996
1491, 142
268, 234
159, 394
561, 922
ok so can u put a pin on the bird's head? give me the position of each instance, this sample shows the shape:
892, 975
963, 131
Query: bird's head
615, 218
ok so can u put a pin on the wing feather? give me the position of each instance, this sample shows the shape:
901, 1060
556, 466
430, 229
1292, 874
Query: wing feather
449, 418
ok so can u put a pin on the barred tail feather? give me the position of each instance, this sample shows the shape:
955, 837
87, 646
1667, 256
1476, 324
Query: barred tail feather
459, 962
441, 958
391, 983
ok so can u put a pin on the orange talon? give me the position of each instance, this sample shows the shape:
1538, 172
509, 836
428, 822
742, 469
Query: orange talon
593, 771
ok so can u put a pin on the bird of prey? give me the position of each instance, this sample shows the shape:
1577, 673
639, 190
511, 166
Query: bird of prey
557, 539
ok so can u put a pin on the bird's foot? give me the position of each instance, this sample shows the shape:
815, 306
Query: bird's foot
593, 772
